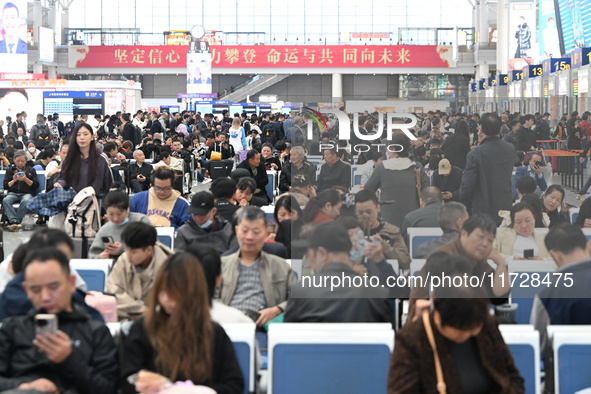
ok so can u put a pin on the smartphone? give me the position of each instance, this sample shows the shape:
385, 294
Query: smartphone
45, 323
528, 253
134, 313
108, 240
538, 163
20, 173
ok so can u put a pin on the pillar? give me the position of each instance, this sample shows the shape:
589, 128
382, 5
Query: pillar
52, 72
37, 68
482, 24
337, 87
482, 71
503, 36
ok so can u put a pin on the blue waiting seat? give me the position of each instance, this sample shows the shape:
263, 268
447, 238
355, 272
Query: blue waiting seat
572, 358
242, 336
270, 187
523, 293
524, 345
93, 271
419, 235
166, 236
329, 357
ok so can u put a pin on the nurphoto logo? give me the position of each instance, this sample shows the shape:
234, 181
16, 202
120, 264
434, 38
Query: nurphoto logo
394, 121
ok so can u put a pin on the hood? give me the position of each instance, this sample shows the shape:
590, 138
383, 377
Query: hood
398, 163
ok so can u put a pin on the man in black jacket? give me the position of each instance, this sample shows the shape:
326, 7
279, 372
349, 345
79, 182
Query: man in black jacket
128, 132
526, 137
334, 173
21, 183
296, 166
486, 181
80, 357
139, 172
257, 171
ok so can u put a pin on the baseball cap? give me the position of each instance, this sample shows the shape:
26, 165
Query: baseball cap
444, 167
201, 204
331, 236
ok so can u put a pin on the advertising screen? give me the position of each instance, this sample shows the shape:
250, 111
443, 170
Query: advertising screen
199, 72
549, 37
13, 36
73, 103
522, 34
46, 45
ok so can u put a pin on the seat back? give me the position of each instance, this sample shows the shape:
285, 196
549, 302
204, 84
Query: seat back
573, 213
525, 348
333, 357
242, 336
315, 160
270, 187
269, 211
42, 178
356, 175
523, 293
93, 271
572, 357
419, 235
166, 236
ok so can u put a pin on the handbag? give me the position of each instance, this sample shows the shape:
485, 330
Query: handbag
215, 156
441, 388
418, 179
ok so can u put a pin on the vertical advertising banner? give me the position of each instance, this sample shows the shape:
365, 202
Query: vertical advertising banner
522, 34
199, 72
549, 38
13, 36
46, 44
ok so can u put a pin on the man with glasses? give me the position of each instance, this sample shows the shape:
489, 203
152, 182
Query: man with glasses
163, 205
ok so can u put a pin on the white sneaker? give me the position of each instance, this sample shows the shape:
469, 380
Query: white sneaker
206, 181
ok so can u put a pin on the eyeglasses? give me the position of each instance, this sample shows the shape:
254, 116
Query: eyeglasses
162, 189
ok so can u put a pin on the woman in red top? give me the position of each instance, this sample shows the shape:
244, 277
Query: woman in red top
326, 207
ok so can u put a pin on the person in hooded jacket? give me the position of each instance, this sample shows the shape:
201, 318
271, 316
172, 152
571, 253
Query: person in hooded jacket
205, 226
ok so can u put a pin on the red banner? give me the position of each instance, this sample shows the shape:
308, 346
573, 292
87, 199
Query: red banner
241, 56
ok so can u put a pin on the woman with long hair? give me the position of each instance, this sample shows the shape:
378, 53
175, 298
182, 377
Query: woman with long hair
237, 135
84, 165
325, 207
177, 339
288, 216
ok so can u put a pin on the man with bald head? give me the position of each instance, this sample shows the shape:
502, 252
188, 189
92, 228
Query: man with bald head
427, 215
140, 172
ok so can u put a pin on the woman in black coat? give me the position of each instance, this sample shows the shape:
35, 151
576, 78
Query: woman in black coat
456, 146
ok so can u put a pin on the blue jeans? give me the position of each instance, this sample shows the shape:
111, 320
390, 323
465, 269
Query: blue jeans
13, 198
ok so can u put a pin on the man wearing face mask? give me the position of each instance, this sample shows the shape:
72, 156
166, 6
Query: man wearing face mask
205, 226
320, 299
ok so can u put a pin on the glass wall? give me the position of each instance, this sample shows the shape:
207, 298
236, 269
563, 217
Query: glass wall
269, 22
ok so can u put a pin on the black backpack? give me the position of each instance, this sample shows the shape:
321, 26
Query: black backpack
43, 138
270, 134
137, 136
68, 129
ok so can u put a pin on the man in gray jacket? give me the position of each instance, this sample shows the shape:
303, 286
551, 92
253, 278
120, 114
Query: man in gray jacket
205, 226
254, 282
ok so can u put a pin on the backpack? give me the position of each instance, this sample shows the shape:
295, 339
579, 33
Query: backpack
137, 136
68, 129
270, 134
82, 217
43, 138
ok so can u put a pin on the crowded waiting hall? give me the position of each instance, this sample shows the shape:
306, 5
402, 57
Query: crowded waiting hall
338, 197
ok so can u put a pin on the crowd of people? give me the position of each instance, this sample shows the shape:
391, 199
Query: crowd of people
481, 179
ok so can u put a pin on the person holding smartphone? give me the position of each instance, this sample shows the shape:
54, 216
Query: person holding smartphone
21, 183
139, 173
107, 242
520, 241
534, 170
